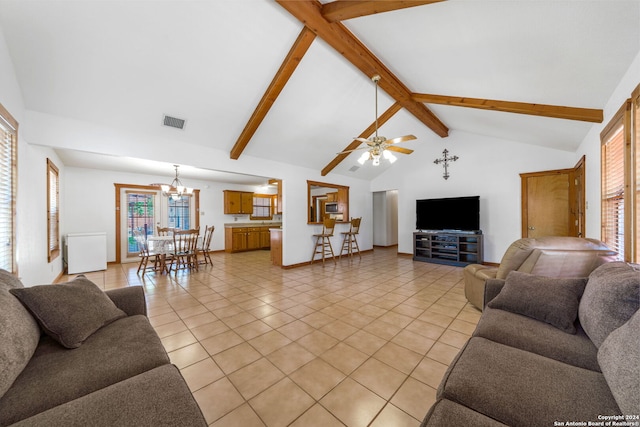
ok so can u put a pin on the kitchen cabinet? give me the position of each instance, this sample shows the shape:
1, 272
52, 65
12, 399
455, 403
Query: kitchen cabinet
238, 202
265, 238
238, 239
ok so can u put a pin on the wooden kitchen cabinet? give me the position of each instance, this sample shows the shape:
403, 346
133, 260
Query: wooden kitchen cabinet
253, 239
238, 202
235, 239
265, 238
238, 239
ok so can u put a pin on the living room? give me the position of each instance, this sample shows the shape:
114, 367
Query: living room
75, 79
488, 164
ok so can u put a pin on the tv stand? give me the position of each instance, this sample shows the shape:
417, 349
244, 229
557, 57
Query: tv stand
450, 248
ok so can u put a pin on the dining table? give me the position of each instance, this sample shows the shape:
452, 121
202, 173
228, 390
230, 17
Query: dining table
163, 246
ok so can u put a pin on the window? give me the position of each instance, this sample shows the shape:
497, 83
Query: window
179, 213
53, 211
620, 174
262, 206
8, 185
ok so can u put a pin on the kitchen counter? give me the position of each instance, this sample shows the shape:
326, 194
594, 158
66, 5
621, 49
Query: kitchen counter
252, 224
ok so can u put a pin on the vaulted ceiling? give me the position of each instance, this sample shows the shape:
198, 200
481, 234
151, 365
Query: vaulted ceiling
290, 80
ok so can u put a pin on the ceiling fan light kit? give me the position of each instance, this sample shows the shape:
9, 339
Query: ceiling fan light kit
379, 146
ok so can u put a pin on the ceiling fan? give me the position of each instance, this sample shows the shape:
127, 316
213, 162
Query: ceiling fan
379, 146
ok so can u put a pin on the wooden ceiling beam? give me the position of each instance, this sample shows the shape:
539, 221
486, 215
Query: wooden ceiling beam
341, 10
555, 111
278, 83
365, 134
309, 12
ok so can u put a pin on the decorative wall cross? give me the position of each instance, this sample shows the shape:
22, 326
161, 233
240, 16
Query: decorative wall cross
445, 162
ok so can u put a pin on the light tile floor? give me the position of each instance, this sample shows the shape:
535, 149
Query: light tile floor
364, 342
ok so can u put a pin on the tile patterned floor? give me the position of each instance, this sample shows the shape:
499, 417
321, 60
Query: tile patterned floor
364, 342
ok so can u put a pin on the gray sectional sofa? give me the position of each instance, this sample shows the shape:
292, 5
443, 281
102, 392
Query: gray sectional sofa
549, 352
73, 355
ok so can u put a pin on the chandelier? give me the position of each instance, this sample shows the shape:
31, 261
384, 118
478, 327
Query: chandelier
176, 190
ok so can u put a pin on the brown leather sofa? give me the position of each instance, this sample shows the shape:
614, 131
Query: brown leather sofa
551, 256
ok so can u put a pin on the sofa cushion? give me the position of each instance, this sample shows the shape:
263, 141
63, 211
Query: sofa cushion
619, 357
56, 375
551, 300
159, 397
447, 413
611, 297
19, 333
70, 312
520, 388
541, 338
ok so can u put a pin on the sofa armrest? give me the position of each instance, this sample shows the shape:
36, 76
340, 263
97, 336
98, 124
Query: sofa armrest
492, 288
131, 300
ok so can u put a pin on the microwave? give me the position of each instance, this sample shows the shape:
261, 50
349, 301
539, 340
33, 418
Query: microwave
331, 207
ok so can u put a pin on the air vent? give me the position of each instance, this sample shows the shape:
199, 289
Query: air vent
173, 122
354, 168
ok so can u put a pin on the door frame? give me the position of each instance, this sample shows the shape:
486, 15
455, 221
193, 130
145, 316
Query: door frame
119, 187
577, 202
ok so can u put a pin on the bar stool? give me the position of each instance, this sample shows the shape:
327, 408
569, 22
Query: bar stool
349, 241
323, 240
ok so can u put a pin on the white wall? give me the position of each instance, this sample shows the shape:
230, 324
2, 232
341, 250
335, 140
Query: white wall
590, 147
487, 167
31, 211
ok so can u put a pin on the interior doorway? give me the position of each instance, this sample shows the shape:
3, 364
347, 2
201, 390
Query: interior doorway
553, 202
385, 218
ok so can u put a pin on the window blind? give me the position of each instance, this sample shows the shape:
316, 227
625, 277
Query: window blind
613, 190
53, 210
8, 143
636, 174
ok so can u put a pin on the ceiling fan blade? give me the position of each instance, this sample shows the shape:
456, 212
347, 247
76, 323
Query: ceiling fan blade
355, 149
362, 140
400, 139
399, 150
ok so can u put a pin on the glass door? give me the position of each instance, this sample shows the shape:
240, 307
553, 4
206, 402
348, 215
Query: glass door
140, 212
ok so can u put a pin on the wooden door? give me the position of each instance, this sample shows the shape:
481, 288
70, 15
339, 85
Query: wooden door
553, 202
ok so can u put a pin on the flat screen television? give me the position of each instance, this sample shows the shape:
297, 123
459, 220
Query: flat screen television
451, 214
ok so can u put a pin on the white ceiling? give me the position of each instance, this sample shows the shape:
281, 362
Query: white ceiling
126, 63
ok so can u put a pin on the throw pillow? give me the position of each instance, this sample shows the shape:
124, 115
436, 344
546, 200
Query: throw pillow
547, 299
69, 313
611, 297
19, 333
9, 281
619, 359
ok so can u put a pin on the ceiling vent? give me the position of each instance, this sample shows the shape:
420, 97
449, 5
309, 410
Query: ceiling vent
354, 168
173, 122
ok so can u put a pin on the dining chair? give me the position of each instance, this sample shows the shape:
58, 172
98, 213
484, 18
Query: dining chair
349, 241
206, 243
165, 231
323, 241
185, 253
144, 254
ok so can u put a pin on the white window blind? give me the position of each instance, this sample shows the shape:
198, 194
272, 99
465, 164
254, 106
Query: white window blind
53, 210
262, 206
8, 149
